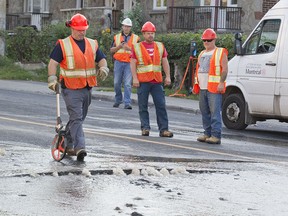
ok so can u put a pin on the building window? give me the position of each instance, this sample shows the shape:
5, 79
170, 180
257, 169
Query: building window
36, 6
45, 6
233, 3
159, 4
78, 3
205, 2
222, 3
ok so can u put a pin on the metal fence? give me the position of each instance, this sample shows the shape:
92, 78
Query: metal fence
202, 17
37, 20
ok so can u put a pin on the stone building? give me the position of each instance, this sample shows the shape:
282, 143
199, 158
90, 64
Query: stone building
168, 15
249, 14
38, 13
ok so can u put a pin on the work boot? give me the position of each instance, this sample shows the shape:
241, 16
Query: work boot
213, 140
81, 153
70, 152
116, 105
202, 138
128, 106
166, 133
145, 132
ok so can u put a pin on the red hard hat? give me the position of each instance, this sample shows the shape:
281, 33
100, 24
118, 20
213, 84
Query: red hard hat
78, 22
209, 34
148, 27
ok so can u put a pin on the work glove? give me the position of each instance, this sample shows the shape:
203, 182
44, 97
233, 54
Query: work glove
52, 82
196, 88
102, 73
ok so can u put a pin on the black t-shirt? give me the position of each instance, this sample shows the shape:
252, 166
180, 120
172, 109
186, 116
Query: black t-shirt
57, 53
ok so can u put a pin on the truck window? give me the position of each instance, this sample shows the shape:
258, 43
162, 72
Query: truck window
264, 38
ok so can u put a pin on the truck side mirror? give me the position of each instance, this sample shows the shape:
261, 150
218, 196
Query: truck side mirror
238, 44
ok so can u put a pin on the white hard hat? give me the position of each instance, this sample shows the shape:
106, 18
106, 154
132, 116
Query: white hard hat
127, 22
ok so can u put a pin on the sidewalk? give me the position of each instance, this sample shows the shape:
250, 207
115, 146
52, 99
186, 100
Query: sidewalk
174, 103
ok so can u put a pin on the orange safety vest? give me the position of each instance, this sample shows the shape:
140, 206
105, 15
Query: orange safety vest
78, 68
148, 69
215, 70
124, 55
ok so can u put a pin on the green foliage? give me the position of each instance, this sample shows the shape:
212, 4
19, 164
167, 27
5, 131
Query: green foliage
28, 45
136, 15
104, 41
178, 48
22, 45
8, 70
178, 45
5, 61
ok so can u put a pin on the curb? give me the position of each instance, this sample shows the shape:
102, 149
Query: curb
100, 96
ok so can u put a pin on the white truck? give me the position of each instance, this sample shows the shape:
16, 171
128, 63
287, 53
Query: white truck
257, 81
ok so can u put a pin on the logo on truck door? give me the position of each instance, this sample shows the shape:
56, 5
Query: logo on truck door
254, 69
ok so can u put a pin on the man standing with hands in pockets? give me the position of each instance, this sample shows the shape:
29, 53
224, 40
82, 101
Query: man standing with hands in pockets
147, 59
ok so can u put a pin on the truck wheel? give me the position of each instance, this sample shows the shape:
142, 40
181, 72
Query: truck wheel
233, 112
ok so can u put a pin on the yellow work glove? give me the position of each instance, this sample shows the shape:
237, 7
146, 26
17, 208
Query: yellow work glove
52, 82
102, 73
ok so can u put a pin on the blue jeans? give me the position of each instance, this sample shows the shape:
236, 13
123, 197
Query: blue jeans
77, 103
157, 92
210, 107
122, 73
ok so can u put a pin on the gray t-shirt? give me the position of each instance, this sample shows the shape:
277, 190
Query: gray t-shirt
204, 66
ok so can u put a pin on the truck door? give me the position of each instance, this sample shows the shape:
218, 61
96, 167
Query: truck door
258, 66
281, 91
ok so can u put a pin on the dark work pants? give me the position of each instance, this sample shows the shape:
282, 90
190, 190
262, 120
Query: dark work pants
77, 103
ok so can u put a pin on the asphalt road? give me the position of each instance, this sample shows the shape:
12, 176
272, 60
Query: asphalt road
30, 117
256, 157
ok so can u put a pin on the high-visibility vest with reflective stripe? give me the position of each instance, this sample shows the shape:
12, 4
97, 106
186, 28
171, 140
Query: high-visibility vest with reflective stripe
78, 68
124, 55
148, 69
215, 70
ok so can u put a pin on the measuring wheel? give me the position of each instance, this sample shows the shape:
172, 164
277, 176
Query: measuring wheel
58, 148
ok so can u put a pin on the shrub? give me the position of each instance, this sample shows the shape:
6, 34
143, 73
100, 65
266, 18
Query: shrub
178, 48
22, 46
178, 45
136, 15
28, 45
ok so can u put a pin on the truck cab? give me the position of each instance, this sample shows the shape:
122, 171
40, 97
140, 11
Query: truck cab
257, 81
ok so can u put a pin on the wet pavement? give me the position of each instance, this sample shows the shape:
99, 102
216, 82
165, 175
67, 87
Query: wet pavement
31, 183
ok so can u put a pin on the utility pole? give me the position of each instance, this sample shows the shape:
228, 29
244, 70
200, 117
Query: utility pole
2, 25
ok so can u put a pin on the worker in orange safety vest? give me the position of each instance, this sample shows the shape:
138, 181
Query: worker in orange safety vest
121, 50
147, 59
77, 56
211, 73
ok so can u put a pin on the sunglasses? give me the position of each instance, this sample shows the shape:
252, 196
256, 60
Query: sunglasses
208, 40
